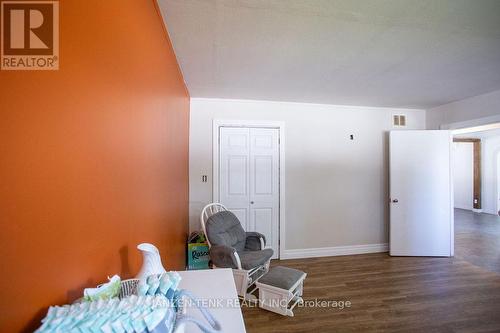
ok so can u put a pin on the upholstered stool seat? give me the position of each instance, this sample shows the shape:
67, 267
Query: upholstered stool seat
279, 288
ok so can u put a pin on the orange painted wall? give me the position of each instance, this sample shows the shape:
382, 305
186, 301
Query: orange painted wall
93, 159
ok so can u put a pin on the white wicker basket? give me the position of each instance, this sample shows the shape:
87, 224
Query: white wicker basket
128, 287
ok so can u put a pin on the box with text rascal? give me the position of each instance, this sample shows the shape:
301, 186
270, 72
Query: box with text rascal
197, 251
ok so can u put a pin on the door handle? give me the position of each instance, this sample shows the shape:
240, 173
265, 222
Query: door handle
251, 202
395, 200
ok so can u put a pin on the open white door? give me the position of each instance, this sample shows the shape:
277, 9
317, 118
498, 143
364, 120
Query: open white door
421, 193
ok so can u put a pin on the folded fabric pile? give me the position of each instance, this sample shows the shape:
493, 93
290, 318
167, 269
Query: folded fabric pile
105, 291
154, 310
132, 314
159, 284
103, 312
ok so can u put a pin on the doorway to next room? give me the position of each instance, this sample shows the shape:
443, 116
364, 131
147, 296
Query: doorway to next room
476, 168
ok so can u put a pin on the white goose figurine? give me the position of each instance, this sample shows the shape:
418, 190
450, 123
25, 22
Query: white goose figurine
151, 261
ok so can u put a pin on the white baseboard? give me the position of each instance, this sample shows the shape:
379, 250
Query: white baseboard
464, 208
334, 251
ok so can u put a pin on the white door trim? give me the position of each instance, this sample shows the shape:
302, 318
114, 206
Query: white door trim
496, 160
217, 124
471, 123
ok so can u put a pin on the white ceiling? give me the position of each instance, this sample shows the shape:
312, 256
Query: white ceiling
396, 53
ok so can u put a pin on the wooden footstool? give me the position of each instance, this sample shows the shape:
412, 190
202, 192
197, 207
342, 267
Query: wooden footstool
281, 289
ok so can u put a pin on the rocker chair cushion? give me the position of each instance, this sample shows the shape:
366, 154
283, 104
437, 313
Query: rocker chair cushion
251, 259
226, 236
224, 228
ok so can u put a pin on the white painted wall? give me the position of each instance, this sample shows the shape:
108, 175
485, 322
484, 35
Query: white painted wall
475, 111
336, 189
484, 108
463, 174
490, 151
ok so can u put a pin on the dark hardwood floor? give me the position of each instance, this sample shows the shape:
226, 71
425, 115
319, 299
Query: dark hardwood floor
477, 239
401, 294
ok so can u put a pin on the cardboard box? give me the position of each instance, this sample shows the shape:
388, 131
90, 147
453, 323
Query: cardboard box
198, 257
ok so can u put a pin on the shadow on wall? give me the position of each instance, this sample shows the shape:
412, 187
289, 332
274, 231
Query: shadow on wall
125, 262
195, 209
386, 186
35, 322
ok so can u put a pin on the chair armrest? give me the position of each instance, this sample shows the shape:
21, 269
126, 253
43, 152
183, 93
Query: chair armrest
224, 257
255, 241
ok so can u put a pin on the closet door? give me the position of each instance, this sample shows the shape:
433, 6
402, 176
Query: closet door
249, 179
234, 172
264, 184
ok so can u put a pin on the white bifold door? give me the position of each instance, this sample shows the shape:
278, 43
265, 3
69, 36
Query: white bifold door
249, 179
421, 193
